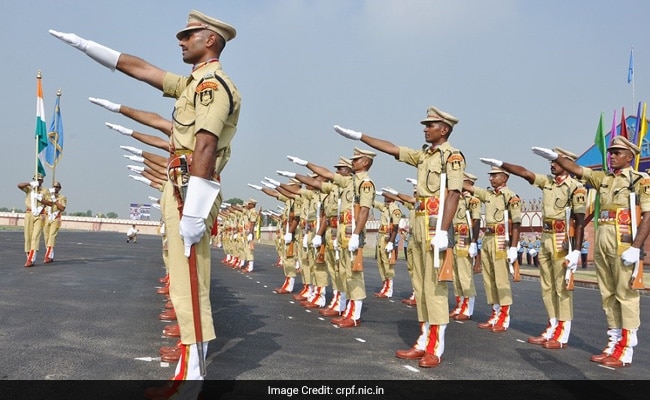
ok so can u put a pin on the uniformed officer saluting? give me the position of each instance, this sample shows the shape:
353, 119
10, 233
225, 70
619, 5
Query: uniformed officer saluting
205, 119
434, 159
616, 252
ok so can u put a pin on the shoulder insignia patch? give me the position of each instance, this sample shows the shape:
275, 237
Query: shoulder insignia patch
207, 85
367, 186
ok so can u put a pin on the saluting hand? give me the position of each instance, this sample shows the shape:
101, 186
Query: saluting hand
297, 160
100, 53
348, 133
106, 104
287, 174
491, 161
546, 153
256, 187
131, 149
119, 128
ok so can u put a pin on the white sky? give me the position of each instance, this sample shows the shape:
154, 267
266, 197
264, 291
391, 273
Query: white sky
516, 73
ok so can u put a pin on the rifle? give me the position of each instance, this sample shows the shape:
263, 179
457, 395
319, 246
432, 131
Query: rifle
514, 266
290, 252
357, 256
338, 218
637, 275
569, 274
446, 273
320, 253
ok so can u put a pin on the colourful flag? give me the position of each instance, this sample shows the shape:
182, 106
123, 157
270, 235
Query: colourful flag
55, 136
602, 147
599, 140
623, 131
630, 68
634, 136
643, 130
41, 128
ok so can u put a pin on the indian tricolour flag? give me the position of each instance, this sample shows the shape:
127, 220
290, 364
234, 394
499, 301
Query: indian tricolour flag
41, 128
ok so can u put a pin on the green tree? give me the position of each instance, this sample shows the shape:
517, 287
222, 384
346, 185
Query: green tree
235, 200
112, 215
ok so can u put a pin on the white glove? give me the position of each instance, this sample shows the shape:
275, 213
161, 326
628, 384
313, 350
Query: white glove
268, 185
249, 237
156, 206
131, 157
272, 181
142, 179
199, 199
153, 199
335, 243
106, 104
378, 193
305, 241
256, 187
473, 250
52, 191
297, 160
39, 197
389, 247
546, 153
288, 237
33, 184
532, 252
348, 133
412, 181
124, 131
389, 190
491, 161
138, 169
353, 244
235, 236
317, 241
131, 149
631, 256
512, 254
572, 260
440, 241
287, 174
102, 54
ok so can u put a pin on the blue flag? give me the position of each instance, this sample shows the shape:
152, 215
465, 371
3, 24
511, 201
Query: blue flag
630, 69
55, 136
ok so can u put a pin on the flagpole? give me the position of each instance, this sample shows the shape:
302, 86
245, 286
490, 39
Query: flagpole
56, 137
39, 76
631, 72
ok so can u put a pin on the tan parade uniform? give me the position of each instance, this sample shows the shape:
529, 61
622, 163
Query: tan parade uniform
613, 236
388, 223
206, 100
464, 288
53, 223
251, 216
319, 274
333, 250
410, 243
557, 195
35, 218
358, 191
494, 262
289, 251
432, 301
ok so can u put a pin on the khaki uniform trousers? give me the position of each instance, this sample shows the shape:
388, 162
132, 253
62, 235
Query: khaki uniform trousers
355, 284
337, 274
179, 276
621, 304
386, 271
557, 300
496, 280
464, 276
35, 225
50, 230
430, 294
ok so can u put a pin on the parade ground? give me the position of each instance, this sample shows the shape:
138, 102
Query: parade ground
92, 315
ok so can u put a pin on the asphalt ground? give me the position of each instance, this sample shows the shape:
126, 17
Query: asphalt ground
92, 315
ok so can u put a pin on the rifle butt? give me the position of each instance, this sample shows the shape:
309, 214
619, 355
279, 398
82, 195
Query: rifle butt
516, 276
569, 281
357, 262
320, 255
637, 282
446, 273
